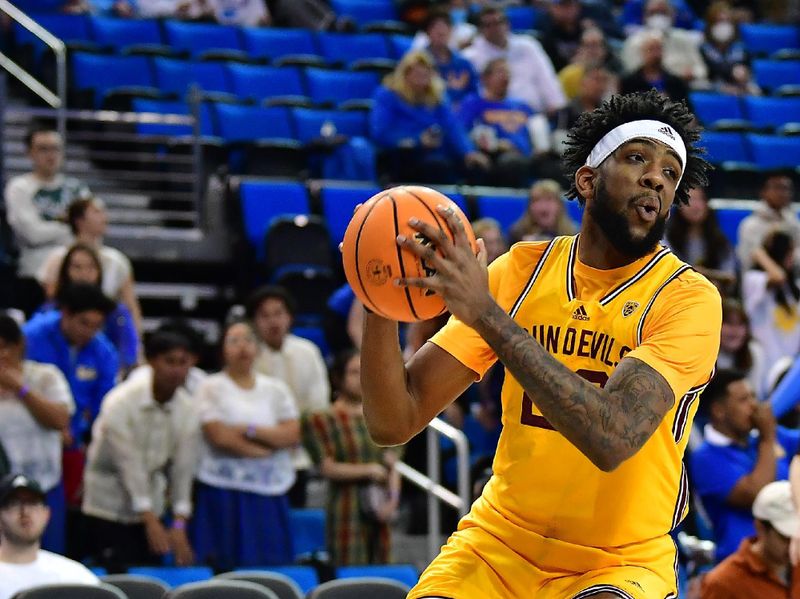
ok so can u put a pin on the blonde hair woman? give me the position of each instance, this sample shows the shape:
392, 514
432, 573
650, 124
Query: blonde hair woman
545, 217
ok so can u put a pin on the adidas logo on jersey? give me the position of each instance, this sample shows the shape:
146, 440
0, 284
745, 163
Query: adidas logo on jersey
668, 132
580, 313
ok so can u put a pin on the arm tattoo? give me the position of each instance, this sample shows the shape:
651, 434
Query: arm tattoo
607, 425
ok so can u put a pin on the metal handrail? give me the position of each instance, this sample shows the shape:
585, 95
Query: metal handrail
57, 100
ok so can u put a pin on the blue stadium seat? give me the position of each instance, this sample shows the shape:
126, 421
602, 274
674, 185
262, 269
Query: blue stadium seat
766, 38
405, 573
260, 82
775, 151
771, 74
177, 76
504, 209
308, 530
261, 201
722, 146
316, 335
764, 111
309, 122
199, 38
349, 49
123, 33
338, 204
335, 87
174, 576
263, 42
574, 211
236, 123
172, 107
305, 576
712, 107
400, 44
68, 28
364, 12
729, 220
523, 18
104, 73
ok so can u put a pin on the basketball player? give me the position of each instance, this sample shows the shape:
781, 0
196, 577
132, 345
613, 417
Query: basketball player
607, 339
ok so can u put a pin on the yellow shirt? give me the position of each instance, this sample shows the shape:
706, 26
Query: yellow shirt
656, 309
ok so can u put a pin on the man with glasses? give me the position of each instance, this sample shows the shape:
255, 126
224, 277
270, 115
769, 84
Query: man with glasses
23, 564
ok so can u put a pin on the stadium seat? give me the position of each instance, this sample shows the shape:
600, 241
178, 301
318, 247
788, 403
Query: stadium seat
775, 151
729, 220
574, 211
723, 146
280, 584
366, 12
308, 524
305, 576
766, 38
173, 575
772, 74
309, 123
268, 43
68, 28
334, 87
400, 44
216, 589
504, 209
262, 201
712, 107
71, 591
236, 122
311, 288
99, 74
177, 76
136, 586
297, 239
338, 204
350, 49
126, 33
523, 18
405, 573
316, 335
771, 112
172, 107
198, 39
258, 82
360, 587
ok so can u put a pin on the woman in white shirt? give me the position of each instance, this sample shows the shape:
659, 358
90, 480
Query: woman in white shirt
738, 350
249, 423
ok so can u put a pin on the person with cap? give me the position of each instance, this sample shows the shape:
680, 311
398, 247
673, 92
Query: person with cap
23, 519
760, 567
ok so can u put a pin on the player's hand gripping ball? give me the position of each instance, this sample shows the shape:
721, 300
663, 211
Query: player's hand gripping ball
373, 260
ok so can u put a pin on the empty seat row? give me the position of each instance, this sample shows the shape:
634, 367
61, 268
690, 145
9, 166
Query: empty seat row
760, 111
764, 39
761, 151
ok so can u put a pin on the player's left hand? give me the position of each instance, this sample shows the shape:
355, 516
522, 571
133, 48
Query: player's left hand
461, 277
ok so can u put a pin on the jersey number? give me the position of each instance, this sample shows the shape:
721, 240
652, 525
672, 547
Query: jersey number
528, 418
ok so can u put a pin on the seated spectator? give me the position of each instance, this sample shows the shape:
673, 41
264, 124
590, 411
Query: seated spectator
652, 74
248, 421
592, 52
761, 566
596, 85
681, 48
633, 15
494, 241
35, 406
545, 217
412, 120
771, 303
88, 220
141, 460
533, 79
295, 361
561, 29
36, 205
507, 131
457, 72
23, 564
462, 31
357, 524
724, 53
743, 451
695, 236
82, 264
739, 351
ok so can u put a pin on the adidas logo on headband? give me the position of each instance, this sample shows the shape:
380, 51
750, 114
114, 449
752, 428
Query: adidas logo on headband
668, 132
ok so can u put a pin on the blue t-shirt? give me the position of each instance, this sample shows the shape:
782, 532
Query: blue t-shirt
508, 118
715, 471
459, 76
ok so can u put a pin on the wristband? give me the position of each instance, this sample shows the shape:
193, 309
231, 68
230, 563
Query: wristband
179, 524
23, 392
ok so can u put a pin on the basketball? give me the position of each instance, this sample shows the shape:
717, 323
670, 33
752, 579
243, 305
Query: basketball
373, 260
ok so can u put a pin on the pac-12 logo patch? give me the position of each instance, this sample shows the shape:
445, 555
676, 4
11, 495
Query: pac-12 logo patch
629, 308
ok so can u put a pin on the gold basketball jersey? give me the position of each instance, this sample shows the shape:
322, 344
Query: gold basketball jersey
657, 310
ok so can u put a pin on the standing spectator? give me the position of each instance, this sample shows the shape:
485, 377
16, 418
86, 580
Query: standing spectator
23, 564
36, 205
761, 566
724, 53
295, 361
35, 406
732, 464
142, 458
652, 73
545, 217
592, 52
88, 220
413, 122
457, 72
533, 79
739, 351
462, 31
357, 529
773, 211
249, 421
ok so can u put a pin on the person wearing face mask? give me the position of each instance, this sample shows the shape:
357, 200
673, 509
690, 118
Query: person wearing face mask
681, 48
724, 53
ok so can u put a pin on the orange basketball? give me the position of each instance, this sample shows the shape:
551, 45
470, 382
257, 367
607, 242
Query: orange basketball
373, 260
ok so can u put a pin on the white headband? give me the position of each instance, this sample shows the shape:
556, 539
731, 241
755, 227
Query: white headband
627, 131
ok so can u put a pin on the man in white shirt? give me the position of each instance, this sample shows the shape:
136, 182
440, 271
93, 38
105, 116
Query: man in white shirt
533, 78
142, 460
23, 518
292, 359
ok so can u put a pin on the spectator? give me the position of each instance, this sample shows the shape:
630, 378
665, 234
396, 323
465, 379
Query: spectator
457, 72
681, 48
596, 85
561, 29
141, 459
249, 421
357, 523
35, 406
739, 351
633, 17
772, 305
651, 73
291, 359
724, 53
494, 241
516, 140
23, 564
761, 566
88, 220
533, 79
774, 211
732, 464
592, 52
413, 122
462, 31
695, 236
36, 205
545, 217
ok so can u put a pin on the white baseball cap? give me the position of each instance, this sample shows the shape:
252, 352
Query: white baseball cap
774, 504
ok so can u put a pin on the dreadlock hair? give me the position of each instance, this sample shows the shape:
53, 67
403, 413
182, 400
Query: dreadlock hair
592, 126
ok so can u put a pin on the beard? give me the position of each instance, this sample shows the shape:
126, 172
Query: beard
617, 230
